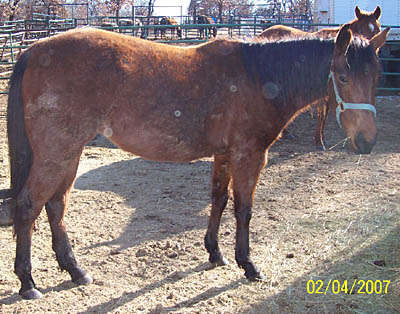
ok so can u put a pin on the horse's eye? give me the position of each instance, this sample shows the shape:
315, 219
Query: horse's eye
343, 78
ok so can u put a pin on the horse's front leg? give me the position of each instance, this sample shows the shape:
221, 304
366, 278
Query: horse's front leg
219, 199
246, 169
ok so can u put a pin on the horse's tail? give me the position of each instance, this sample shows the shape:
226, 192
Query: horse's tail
19, 148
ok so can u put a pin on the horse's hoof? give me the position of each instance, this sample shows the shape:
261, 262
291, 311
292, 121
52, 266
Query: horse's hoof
32, 294
220, 262
253, 274
257, 277
217, 259
84, 280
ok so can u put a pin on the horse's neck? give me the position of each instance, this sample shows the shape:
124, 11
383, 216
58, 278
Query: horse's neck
290, 75
305, 81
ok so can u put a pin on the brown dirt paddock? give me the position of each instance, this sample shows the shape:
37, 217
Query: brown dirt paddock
137, 227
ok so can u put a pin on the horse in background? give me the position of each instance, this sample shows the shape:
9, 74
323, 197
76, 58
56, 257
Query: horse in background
109, 24
212, 30
137, 32
365, 24
140, 95
266, 24
169, 21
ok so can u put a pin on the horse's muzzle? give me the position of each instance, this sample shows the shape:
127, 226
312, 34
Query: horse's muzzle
362, 146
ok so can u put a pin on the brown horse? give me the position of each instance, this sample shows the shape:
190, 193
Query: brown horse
170, 21
365, 23
226, 99
211, 30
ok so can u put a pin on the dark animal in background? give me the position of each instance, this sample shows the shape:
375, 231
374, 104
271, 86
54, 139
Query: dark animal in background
266, 24
138, 32
109, 24
212, 30
170, 21
140, 95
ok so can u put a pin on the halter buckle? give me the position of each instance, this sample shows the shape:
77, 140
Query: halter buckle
341, 106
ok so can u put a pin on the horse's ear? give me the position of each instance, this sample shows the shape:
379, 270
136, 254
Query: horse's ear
358, 12
343, 39
377, 13
379, 39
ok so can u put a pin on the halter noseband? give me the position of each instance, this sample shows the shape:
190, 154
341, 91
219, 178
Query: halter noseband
342, 106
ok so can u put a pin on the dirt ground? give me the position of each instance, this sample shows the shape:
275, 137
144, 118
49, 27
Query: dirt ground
137, 227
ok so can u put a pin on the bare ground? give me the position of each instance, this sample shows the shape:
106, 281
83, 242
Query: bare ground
137, 227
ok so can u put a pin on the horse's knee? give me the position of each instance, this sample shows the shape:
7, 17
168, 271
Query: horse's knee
55, 209
219, 198
243, 215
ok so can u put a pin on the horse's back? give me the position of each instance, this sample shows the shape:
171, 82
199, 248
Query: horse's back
327, 33
281, 31
90, 58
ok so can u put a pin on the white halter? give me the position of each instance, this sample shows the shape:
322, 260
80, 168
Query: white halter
342, 106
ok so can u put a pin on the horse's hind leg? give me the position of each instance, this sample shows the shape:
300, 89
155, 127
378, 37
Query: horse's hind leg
219, 197
44, 181
55, 209
24, 217
44, 177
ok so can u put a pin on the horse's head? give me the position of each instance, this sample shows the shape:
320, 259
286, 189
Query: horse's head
366, 23
353, 78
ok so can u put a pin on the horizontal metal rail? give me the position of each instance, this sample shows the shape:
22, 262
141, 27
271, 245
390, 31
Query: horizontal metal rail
389, 89
181, 41
389, 59
391, 73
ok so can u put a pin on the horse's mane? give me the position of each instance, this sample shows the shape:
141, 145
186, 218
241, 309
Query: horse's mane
289, 63
360, 56
293, 64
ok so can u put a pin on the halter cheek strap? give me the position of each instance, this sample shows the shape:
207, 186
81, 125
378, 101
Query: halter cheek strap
342, 106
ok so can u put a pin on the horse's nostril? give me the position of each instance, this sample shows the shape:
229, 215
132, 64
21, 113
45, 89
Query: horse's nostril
363, 146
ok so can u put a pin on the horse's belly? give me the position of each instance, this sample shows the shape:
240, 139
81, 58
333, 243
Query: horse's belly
162, 146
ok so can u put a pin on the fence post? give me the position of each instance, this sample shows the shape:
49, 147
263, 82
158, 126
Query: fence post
12, 48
